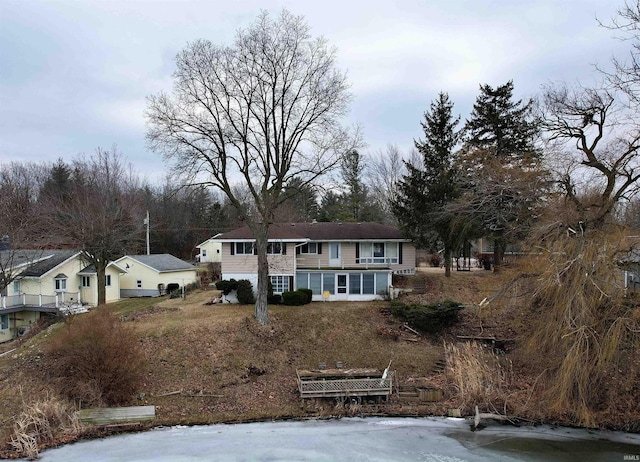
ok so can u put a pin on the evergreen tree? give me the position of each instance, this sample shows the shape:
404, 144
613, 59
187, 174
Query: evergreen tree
59, 183
424, 194
501, 126
500, 153
302, 200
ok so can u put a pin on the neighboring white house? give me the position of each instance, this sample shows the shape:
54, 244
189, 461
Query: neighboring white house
210, 251
337, 261
154, 275
44, 281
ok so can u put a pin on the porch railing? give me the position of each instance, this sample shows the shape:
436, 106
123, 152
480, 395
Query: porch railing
39, 300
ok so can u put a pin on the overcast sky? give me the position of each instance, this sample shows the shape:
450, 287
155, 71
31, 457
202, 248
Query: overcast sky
74, 74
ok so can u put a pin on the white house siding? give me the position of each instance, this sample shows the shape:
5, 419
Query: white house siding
45, 284
213, 251
150, 279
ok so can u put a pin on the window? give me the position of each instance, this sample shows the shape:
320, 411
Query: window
354, 283
86, 281
61, 284
107, 282
302, 280
310, 248
274, 248
382, 284
315, 283
244, 248
4, 321
329, 282
378, 252
203, 252
17, 286
368, 283
139, 283
280, 284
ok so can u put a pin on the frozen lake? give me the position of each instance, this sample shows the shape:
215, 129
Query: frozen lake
355, 439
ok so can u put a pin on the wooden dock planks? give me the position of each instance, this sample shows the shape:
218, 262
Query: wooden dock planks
117, 415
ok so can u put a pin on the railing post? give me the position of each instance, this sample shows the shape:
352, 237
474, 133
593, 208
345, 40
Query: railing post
4, 302
24, 299
57, 300
40, 300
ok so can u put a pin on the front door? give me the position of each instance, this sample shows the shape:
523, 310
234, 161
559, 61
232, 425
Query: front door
334, 254
342, 288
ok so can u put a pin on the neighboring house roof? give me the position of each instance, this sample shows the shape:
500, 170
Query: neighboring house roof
323, 231
162, 262
49, 260
91, 269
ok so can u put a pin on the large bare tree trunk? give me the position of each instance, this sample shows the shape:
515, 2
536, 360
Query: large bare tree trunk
102, 281
447, 261
261, 309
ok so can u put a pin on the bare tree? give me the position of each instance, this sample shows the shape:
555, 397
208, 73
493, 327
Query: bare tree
386, 168
101, 215
262, 111
602, 138
19, 187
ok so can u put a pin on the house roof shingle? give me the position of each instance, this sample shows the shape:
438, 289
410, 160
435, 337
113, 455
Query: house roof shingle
162, 262
45, 260
322, 231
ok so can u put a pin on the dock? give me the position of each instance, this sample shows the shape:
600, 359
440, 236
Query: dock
117, 415
344, 383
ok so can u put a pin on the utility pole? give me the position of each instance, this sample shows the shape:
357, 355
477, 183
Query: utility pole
146, 222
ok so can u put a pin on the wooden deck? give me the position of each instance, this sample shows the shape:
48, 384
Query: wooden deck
117, 415
344, 383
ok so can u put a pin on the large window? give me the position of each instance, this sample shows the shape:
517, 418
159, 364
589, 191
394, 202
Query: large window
17, 286
280, 284
315, 283
329, 283
378, 253
244, 248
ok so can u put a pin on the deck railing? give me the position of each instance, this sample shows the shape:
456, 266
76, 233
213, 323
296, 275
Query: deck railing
38, 300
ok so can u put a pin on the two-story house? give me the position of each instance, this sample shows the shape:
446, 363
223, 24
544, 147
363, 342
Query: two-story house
337, 261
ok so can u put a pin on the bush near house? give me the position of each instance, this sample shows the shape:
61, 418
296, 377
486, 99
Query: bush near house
309, 293
226, 286
294, 298
429, 318
245, 292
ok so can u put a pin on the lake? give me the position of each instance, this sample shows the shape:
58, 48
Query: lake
355, 439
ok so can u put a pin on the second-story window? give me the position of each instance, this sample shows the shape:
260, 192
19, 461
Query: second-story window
244, 248
378, 253
274, 248
310, 248
17, 286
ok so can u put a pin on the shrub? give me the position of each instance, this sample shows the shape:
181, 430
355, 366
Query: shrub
227, 286
245, 292
96, 359
274, 299
428, 318
294, 298
309, 294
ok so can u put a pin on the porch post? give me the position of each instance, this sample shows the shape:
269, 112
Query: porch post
40, 300
57, 300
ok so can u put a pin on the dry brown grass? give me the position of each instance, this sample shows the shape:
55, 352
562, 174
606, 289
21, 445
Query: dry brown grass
42, 423
478, 377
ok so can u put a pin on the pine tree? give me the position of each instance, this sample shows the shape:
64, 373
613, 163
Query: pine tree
424, 194
499, 150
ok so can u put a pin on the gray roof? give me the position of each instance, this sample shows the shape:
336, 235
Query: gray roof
163, 262
37, 262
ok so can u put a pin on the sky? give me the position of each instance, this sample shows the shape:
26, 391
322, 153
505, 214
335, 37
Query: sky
75, 74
